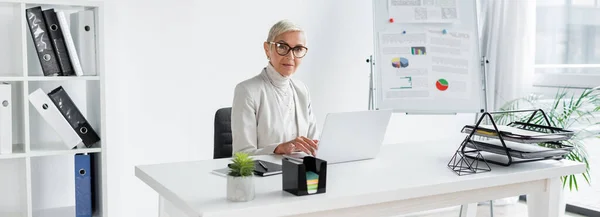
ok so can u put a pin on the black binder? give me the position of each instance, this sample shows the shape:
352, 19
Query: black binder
58, 42
41, 41
72, 114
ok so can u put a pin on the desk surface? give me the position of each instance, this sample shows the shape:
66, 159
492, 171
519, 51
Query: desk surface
401, 171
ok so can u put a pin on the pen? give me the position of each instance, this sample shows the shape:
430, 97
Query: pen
262, 165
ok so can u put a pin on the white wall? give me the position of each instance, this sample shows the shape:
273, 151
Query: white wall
172, 64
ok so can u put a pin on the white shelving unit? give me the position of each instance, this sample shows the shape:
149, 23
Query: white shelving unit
37, 179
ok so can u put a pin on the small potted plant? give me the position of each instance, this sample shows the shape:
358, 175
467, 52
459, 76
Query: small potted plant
240, 179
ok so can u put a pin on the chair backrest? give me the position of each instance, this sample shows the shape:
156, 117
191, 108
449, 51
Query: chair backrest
223, 140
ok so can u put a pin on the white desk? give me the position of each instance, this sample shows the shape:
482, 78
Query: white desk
405, 178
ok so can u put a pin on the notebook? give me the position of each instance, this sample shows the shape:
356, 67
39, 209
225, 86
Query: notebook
259, 170
265, 168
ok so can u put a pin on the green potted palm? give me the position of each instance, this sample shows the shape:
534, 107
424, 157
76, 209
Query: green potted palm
240, 179
577, 112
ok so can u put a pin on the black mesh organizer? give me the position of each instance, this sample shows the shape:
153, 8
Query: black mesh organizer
516, 142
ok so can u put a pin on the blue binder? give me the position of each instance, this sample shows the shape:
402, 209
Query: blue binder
83, 186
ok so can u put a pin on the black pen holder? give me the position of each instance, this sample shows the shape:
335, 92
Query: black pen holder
294, 175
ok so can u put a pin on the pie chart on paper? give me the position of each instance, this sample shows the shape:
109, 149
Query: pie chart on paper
399, 62
441, 84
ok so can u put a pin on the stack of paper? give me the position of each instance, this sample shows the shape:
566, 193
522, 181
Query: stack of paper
518, 131
517, 134
312, 182
522, 147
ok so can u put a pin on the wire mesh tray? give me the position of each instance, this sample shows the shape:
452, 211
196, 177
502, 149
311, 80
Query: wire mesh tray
521, 132
517, 142
521, 150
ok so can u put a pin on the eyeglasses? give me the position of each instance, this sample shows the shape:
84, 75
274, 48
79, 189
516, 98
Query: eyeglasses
283, 49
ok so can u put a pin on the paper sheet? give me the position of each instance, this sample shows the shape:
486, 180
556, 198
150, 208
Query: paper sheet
523, 147
426, 64
451, 60
521, 132
423, 11
405, 64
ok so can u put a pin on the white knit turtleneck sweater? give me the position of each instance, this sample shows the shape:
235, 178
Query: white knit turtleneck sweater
285, 98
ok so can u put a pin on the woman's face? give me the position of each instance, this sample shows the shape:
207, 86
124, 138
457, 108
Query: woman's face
295, 43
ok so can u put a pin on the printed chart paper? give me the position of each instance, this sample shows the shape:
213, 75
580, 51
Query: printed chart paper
450, 54
423, 11
404, 64
433, 63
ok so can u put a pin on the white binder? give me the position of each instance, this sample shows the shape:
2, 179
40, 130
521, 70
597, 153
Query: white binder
5, 119
83, 31
66, 30
54, 118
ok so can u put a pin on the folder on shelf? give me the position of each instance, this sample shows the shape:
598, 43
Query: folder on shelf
58, 42
42, 103
74, 117
83, 186
66, 30
83, 30
41, 41
5, 119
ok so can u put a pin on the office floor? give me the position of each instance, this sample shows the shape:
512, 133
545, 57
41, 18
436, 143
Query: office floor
516, 210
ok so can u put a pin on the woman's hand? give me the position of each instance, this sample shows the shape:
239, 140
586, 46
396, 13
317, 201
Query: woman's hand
301, 143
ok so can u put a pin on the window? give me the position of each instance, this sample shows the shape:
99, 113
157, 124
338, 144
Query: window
568, 55
567, 43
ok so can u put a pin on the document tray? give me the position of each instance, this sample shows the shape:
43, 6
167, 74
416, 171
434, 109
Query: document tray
522, 132
523, 141
523, 151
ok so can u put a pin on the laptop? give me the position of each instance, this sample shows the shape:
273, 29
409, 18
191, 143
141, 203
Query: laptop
351, 136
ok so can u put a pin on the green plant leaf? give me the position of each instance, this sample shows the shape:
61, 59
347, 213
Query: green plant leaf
586, 178
566, 110
242, 165
557, 99
587, 165
570, 183
583, 117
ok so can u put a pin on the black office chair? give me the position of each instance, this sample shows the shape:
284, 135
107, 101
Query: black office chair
223, 140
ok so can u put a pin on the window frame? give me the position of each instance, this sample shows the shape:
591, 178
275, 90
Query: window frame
564, 79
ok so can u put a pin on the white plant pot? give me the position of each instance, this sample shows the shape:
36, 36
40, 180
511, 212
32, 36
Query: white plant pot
240, 189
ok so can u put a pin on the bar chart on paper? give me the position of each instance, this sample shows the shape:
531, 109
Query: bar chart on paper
403, 83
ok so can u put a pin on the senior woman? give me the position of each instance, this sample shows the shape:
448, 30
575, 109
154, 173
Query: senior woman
271, 112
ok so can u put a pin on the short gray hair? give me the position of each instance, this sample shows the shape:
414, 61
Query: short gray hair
281, 27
